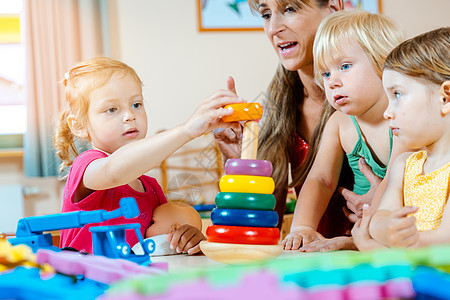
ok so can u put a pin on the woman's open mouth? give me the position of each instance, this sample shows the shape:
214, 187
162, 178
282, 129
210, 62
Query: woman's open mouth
287, 48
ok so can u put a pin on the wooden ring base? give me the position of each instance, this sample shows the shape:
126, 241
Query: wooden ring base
239, 253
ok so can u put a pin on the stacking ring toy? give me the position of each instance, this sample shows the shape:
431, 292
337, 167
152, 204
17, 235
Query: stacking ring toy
248, 167
244, 112
247, 184
243, 235
245, 201
244, 217
238, 254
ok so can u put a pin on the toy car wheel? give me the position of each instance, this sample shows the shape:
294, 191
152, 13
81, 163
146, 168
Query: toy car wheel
124, 250
149, 246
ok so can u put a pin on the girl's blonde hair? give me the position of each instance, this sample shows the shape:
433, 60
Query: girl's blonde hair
426, 56
374, 33
79, 82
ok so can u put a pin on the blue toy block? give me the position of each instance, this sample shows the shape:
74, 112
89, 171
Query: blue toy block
431, 284
23, 283
244, 217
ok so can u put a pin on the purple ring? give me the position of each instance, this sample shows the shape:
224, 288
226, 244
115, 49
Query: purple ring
248, 167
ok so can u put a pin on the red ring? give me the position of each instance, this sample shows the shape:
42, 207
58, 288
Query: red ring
243, 235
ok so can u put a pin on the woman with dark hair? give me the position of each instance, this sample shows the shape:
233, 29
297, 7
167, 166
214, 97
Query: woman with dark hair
295, 114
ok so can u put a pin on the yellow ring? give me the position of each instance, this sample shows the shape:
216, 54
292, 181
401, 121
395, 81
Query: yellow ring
247, 184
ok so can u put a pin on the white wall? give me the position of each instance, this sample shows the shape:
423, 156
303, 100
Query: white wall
181, 66
418, 16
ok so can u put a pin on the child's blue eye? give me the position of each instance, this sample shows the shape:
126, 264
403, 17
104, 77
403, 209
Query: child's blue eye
111, 110
345, 67
326, 74
397, 95
137, 105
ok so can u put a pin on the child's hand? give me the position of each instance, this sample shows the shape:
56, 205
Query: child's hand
186, 239
401, 229
229, 140
326, 245
300, 236
355, 202
208, 115
360, 232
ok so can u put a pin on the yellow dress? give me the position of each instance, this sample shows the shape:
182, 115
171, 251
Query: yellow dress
429, 192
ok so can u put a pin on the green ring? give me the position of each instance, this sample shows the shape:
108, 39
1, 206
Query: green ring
245, 201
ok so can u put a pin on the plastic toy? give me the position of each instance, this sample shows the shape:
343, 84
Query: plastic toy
431, 284
244, 112
162, 247
27, 283
107, 240
244, 217
247, 184
248, 167
110, 241
254, 286
332, 275
362, 282
245, 201
30, 230
244, 230
204, 207
243, 235
20, 255
98, 268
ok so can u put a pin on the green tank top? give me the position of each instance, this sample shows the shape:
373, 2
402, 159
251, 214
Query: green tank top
361, 184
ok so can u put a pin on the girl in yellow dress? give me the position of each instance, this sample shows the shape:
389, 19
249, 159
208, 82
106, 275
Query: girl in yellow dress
413, 209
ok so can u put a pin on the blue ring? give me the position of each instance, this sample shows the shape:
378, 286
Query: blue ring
244, 217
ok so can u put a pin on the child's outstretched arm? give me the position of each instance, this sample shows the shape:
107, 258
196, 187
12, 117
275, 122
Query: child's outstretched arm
135, 159
318, 188
390, 225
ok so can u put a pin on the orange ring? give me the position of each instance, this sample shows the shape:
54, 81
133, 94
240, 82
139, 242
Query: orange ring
244, 112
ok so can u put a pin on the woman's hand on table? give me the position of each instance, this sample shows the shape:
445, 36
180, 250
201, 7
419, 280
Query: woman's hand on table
326, 245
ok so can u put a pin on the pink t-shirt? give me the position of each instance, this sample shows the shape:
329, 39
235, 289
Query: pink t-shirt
81, 238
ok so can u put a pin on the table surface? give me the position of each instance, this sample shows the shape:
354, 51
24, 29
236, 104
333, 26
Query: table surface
181, 262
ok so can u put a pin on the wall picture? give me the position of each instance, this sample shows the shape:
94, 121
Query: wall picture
373, 6
227, 15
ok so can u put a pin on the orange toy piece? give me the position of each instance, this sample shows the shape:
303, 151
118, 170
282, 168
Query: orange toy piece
244, 112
